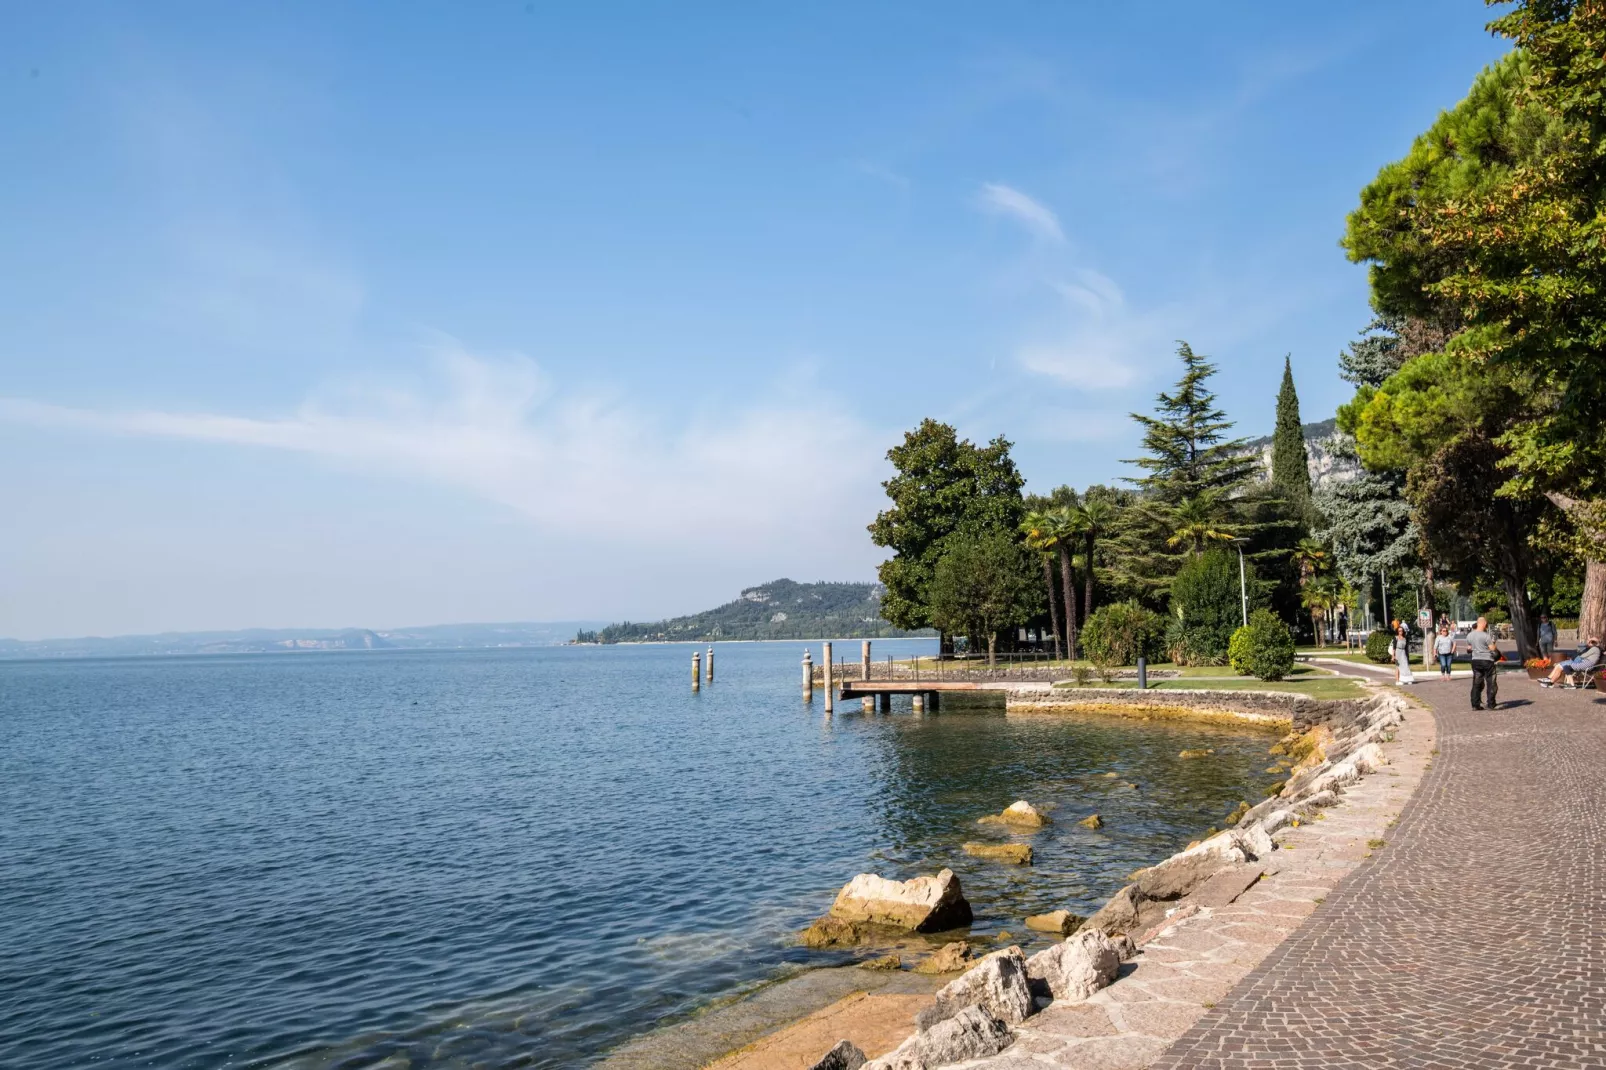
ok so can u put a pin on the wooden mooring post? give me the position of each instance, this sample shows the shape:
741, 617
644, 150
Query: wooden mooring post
864, 662
825, 658
696, 670
710, 664
808, 677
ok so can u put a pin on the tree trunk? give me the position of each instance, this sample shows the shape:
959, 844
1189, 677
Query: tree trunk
992, 649
1087, 580
1428, 600
945, 645
1592, 608
1053, 609
1316, 626
1522, 625
1068, 579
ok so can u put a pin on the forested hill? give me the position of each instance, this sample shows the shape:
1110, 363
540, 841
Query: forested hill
778, 610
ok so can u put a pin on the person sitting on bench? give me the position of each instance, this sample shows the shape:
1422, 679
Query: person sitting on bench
1585, 661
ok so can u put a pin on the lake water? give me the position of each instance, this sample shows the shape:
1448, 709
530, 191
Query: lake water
502, 858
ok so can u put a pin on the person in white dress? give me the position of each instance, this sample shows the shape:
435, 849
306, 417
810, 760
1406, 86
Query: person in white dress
1402, 654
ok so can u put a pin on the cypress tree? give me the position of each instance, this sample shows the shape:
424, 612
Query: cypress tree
1290, 465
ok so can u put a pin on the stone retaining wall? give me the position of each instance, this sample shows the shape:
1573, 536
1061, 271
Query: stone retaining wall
1269, 709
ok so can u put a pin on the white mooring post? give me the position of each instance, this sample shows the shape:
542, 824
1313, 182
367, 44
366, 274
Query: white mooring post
696, 670
830, 696
710, 664
808, 677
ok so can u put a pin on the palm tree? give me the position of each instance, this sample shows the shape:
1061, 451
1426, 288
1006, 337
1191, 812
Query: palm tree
1064, 526
1311, 558
1037, 529
1195, 521
1320, 596
1095, 516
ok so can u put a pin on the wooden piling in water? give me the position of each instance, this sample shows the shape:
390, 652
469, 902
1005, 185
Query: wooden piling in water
696, 670
808, 677
864, 662
825, 658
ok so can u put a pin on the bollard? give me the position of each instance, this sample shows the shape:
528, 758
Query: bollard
864, 661
808, 677
710, 664
825, 659
696, 671
869, 704
919, 702
1143, 674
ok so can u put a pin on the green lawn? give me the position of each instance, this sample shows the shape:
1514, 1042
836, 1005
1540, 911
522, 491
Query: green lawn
1337, 654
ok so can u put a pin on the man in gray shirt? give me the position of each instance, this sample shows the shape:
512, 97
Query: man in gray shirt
1484, 656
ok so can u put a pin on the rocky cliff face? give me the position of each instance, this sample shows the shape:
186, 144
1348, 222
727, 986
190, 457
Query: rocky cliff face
1327, 464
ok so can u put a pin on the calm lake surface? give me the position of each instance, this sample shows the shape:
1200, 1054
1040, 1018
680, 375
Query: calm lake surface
503, 858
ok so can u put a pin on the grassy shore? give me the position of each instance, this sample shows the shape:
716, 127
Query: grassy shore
1318, 686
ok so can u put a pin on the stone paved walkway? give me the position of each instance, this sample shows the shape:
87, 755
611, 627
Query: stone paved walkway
1192, 965
1476, 938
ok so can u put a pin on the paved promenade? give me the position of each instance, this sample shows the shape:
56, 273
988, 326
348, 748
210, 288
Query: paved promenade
1476, 938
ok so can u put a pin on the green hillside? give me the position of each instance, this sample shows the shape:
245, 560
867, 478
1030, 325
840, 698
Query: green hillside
778, 610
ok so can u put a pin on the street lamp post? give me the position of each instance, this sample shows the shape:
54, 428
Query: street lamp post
1243, 586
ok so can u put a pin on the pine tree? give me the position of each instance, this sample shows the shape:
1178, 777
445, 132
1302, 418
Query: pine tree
1290, 464
1186, 454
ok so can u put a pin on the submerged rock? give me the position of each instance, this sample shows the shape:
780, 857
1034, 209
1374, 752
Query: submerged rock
1205, 753
1020, 813
997, 984
885, 962
1092, 821
845, 1056
930, 903
1078, 967
1019, 854
951, 959
1062, 922
832, 932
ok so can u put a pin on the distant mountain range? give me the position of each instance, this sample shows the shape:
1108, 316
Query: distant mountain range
292, 640
782, 609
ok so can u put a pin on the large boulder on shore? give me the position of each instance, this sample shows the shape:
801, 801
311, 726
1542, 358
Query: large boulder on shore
972, 1033
845, 1056
1186, 870
1078, 967
925, 904
997, 984
1120, 914
1021, 814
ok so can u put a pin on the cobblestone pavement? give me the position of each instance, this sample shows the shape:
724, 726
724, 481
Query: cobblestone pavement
1202, 953
1475, 938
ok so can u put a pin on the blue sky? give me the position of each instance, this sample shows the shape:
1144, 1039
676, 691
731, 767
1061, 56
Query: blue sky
386, 314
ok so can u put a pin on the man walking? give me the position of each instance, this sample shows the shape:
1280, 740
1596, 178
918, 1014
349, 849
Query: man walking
1547, 636
1484, 657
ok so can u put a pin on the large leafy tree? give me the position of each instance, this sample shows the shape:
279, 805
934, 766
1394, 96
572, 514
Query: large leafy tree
943, 486
1290, 464
983, 584
1495, 224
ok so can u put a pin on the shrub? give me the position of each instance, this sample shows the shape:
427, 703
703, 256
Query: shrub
1082, 674
1377, 646
1123, 632
1263, 648
1205, 602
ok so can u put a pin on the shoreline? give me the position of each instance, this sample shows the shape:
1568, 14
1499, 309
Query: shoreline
762, 1038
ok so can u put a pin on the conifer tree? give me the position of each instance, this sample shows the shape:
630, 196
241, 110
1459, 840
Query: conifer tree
1186, 454
1290, 464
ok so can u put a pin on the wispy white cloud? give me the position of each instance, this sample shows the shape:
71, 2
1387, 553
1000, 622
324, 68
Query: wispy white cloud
792, 472
1036, 217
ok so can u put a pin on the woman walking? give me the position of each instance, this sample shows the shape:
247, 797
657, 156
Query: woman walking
1402, 654
1444, 646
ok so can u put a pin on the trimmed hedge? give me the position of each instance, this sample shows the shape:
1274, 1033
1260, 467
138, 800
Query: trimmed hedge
1377, 646
1120, 633
1263, 648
